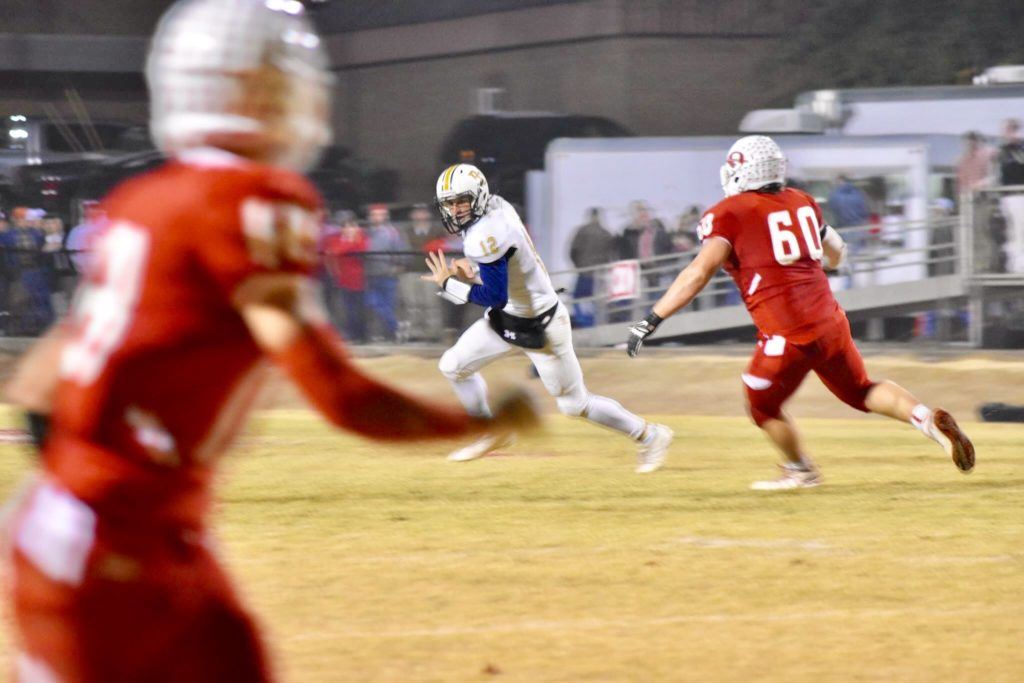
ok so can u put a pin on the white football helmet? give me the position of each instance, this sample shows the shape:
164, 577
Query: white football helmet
461, 181
248, 76
753, 162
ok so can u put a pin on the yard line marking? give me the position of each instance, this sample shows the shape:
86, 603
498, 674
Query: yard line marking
786, 543
596, 624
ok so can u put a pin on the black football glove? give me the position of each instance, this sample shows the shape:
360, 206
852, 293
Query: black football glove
640, 331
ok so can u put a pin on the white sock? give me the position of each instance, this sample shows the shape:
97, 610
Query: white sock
472, 394
610, 413
921, 419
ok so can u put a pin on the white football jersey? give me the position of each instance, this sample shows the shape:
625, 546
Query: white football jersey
498, 231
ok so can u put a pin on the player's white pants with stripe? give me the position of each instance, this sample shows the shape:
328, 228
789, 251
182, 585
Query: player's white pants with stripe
556, 364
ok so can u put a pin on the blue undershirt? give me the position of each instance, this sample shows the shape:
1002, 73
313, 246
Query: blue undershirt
494, 290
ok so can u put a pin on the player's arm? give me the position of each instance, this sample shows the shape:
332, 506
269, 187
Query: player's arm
288, 322
688, 284
35, 379
491, 291
833, 246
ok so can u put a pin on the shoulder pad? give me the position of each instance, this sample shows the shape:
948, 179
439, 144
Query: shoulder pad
489, 238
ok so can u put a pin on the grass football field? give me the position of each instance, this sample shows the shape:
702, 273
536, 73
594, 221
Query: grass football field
556, 563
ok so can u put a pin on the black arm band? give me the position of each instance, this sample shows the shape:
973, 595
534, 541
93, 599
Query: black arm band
38, 427
653, 319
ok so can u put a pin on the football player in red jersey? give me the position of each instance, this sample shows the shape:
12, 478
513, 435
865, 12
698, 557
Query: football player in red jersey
203, 272
773, 242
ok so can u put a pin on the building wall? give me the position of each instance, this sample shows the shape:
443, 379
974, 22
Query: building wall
660, 67
399, 113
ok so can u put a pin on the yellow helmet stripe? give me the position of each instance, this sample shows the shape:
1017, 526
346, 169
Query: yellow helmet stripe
447, 184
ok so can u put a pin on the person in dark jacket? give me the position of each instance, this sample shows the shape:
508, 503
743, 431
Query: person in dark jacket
592, 245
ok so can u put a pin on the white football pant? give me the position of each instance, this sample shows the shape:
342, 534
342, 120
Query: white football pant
556, 364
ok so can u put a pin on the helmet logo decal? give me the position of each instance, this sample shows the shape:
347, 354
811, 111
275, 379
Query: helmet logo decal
736, 159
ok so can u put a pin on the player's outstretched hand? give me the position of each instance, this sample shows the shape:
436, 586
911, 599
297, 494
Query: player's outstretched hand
640, 331
439, 268
515, 412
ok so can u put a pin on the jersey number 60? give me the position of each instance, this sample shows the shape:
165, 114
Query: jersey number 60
785, 244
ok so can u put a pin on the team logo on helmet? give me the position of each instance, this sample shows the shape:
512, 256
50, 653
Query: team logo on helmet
753, 163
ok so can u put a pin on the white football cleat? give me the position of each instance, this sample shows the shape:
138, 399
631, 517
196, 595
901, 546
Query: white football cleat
651, 455
791, 478
481, 447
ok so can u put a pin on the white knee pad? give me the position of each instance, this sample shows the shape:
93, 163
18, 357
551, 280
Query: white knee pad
449, 366
573, 405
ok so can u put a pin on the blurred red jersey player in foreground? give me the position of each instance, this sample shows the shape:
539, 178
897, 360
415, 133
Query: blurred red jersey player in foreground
772, 241
203, 272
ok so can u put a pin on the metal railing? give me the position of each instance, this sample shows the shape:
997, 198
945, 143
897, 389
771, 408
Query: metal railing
878, 254
950, 263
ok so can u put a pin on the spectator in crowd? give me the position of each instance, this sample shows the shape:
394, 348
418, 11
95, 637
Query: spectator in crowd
329, 230
974, 168
62, 274
30, 302
848, 204
383, 266
422, 229
973, 173
592, 245
423, 310
80, 237
684, 237
643, 238
343, 254
1011, 173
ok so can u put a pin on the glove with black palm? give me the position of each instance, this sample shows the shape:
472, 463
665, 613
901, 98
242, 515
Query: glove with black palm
640, 331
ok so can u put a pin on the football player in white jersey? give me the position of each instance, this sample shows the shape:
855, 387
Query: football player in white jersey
503, 273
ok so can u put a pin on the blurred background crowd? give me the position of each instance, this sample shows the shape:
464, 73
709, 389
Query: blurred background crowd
641, 79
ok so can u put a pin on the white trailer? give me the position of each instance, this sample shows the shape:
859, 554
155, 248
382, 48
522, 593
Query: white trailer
672, 175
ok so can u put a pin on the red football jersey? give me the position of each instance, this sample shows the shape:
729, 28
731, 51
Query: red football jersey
160, 368
776, 260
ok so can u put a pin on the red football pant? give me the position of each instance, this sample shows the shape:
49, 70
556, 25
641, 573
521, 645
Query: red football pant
179, 620
778, 367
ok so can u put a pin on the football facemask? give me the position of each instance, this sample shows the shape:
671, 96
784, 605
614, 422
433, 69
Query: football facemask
461, 183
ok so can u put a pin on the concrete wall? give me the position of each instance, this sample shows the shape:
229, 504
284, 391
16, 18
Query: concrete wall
657, 66
660, 67
399, 114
